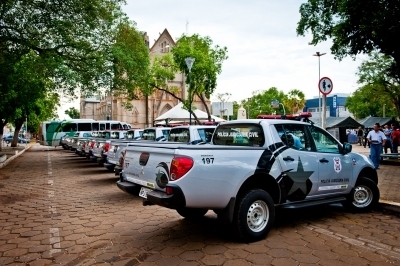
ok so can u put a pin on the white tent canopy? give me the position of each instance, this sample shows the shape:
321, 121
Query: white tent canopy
178, 113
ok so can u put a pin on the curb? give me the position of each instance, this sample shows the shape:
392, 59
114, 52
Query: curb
18, 153
389, 206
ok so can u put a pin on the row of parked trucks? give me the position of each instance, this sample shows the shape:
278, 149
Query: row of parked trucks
243, 170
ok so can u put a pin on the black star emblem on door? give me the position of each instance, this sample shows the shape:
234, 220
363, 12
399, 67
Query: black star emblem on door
297, 184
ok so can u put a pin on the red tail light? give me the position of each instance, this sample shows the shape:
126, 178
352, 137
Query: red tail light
106, 147
179, 167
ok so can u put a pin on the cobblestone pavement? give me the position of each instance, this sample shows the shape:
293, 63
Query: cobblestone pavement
59, 209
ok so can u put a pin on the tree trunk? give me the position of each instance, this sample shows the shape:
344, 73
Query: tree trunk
2, 125
202, 98
18, 125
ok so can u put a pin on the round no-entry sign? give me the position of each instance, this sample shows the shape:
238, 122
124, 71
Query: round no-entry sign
325, 85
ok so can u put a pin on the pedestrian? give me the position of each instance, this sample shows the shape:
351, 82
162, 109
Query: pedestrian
377, 140
388, 133
366, 142
360, 135
395, 138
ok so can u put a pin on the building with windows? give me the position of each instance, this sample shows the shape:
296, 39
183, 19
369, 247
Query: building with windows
335, 106
110, 107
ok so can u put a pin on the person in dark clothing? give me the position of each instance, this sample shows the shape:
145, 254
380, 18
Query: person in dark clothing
366, 131
360, 136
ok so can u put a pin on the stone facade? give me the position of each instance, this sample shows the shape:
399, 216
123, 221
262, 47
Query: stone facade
159, 102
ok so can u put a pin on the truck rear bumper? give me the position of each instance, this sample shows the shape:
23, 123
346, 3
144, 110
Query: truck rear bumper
173, 201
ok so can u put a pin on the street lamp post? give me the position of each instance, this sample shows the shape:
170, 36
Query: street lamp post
319, 77
189, 63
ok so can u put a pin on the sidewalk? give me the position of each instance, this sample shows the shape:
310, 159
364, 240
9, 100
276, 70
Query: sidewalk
13, 152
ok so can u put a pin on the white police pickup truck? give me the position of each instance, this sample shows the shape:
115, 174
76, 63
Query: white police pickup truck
252, 167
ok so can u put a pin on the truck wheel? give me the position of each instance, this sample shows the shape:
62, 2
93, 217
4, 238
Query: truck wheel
192, 213
363, 196
254, 215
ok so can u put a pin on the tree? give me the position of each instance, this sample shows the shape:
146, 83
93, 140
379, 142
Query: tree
375, 72
355, 27
260, 102
295, 101
26, 92
207, 66
71, 41
73, 113
367, 101
130, 61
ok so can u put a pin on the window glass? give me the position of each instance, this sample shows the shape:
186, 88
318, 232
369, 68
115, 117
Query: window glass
179, 135
102, 126
294, 136
115, 126
165, 133
324, 142
95, 126
68, 127
206, 134
239, 135
114, 135
103, 134
85, 126
149, 134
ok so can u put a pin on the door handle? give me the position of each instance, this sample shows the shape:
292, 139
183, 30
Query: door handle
323, 160
288, 158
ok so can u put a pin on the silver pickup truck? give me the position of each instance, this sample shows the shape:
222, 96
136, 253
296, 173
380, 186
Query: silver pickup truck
192, 135
251, 168
101, 146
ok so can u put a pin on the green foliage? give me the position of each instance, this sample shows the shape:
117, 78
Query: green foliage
295, 101
260, 102
72, 36
130, 61
73, 113
367, 101
374, 75
354, 26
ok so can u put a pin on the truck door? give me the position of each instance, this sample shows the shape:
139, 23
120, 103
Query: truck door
335, 168
299, 177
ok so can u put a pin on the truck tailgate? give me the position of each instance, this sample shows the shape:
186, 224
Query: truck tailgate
148, 164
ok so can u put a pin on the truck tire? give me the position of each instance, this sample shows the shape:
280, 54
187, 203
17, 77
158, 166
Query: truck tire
254, 215
192, 213
364, 196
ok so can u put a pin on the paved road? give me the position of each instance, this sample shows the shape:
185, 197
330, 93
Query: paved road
59, 209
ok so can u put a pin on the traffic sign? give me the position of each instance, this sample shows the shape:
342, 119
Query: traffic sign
325, 85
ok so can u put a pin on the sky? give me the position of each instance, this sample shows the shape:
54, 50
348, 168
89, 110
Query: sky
264, 50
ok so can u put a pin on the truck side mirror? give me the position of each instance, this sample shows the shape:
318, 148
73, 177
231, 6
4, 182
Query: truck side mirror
347, 147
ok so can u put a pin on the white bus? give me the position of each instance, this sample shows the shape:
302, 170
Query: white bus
50, 132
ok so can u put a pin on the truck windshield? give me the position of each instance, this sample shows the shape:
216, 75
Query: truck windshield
239, 135
179, 135
149, 134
